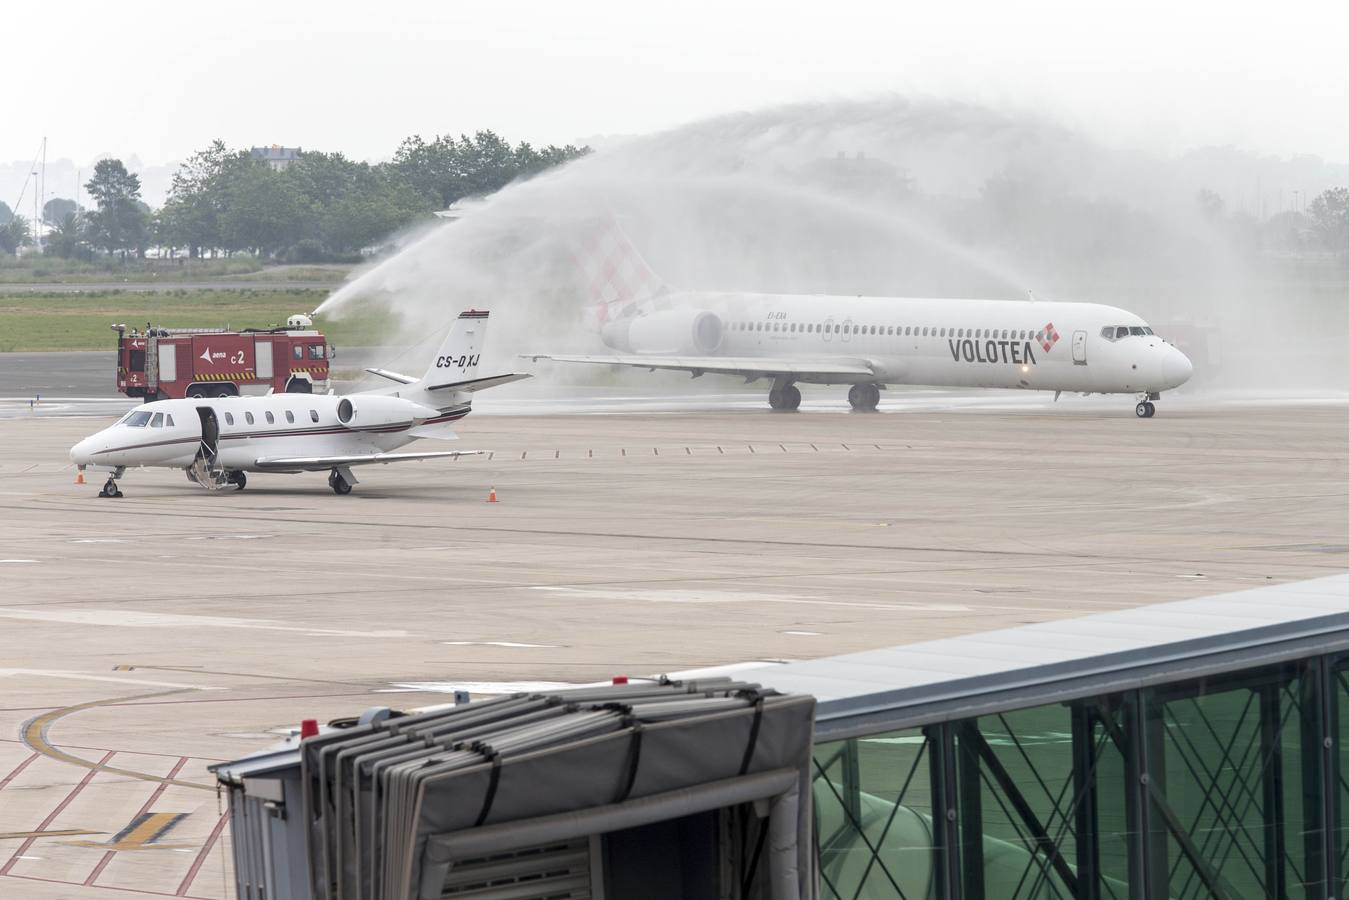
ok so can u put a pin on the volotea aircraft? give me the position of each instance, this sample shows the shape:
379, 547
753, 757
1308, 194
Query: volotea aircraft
868, 342
216, 441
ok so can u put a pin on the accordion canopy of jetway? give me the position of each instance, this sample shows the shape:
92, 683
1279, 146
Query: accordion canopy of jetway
546, 795
1195, 749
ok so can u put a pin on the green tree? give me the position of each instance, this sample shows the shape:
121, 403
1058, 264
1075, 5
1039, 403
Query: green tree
56, 210
191, 215
121, 222
5, 213
447, 169
261, 211
1330, 218
68, 238
14, 234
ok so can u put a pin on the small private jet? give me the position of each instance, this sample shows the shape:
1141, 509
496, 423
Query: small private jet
217, 441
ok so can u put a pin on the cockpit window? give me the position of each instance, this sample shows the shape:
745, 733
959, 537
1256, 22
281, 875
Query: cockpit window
1147, 330
1137, 331
1122, 331
138, 419
157, 421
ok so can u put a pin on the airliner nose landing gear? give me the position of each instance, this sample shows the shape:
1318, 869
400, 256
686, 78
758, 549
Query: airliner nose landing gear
785, 398
1145, 409
864, 397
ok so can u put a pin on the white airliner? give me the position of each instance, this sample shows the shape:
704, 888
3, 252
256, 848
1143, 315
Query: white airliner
869, 342
216, 441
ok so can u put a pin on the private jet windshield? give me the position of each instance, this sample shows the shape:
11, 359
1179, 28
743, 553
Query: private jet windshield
1115, 332
139, 418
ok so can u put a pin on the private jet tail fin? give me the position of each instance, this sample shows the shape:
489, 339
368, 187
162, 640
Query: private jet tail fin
457, 358
456, 364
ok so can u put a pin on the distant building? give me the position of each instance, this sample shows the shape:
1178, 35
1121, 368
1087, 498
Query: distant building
276, 156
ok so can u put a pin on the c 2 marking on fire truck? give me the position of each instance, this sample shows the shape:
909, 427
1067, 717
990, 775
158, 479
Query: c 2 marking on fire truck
457, 362
236, 359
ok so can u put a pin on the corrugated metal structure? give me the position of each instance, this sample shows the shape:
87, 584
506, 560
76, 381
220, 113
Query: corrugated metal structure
666, 789
1180, 750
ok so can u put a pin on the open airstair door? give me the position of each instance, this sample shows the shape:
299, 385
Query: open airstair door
203, 469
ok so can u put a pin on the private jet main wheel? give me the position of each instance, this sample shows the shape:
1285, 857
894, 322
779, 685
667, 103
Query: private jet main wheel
339, 484
791, 398
1145, 410
238, 479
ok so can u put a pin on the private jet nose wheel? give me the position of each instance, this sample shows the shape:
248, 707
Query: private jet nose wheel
110, 488
338, 483
1145, 410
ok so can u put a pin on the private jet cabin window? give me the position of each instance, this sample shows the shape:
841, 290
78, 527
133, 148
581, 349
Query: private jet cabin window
290, 417
229, 418
314, 415
271, 419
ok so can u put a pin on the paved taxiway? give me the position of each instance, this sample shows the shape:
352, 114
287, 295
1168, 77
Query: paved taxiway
142, 638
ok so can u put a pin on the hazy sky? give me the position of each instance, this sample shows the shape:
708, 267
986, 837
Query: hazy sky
161, 79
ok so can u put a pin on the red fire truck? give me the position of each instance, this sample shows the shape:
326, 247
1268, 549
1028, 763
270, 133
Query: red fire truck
163, 363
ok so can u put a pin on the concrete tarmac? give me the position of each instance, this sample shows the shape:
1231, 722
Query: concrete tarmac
144, 637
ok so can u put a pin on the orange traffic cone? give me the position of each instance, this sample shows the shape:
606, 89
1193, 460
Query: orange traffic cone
79, 476
492, 495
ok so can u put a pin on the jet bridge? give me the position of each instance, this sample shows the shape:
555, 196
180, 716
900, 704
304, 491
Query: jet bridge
669, 789
1180, 750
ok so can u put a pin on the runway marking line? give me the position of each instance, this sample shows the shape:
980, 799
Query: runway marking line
126, 835
51, 817
35, 737
201, 857
59, 832
19, 769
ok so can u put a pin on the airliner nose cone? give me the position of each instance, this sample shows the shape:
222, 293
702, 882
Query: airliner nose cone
1177, 368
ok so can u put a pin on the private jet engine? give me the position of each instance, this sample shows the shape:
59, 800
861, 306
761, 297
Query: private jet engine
675, 332
367, 413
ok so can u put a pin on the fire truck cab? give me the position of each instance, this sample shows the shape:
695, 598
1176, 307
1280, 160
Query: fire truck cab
172, 363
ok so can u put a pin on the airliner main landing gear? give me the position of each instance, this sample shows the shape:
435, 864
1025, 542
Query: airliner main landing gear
864, 397
785, 398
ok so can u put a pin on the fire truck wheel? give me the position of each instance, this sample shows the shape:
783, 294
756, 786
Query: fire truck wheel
225, 392
196, 394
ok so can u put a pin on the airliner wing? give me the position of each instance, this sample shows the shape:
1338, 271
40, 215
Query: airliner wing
749, 366
317, 463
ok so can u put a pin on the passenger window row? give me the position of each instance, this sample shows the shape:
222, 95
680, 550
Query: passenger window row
1015, 334
271, 420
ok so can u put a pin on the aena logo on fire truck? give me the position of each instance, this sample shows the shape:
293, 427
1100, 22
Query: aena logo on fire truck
236, 358
456, 362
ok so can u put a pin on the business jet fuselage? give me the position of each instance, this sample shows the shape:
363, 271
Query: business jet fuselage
217, 441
